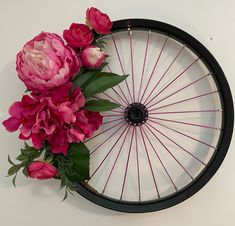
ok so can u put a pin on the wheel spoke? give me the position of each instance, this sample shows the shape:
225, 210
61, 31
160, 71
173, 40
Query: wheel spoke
174, 142
184, 100
132, 66
187, 123
143, 69
179, 90
137, 163
110, 150
170, 83
115, 162
155, 151
104, 123
111, 127
154, 88
190, 137
149, 161
164, 146
154, 68
127, 164
185, 112
126, 100
119, 59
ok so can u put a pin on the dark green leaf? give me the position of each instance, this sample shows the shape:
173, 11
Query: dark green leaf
100, 105
79, 155
25, 171
65, 195
9, 160
102, 83
21, 157
13, 170
30, 152
14, 180
81, 79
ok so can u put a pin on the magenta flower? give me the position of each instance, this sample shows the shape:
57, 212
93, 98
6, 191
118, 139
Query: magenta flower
42, 170
92, 57
98, 20
54, 116
78, 35
46, 63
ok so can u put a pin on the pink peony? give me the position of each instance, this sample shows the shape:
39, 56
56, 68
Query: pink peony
78, 35
46, 63
92, 57
42, 170
54, 116
98, 20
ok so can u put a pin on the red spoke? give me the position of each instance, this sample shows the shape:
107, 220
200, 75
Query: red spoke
179, 90
126, 100
143, 69
112, 115
186, 123
167, 137
184, 100
185, 112
132, 67
116, 159
178, 76
166, 171
127, 164
110, 150
103, 132
112, 121
151, 75
95, 149
186, 171
137, 163
119, 59
149, 161
154, 88
121, 105
116, 111
190, 137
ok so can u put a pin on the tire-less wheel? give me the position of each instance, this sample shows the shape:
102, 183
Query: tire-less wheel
174, 125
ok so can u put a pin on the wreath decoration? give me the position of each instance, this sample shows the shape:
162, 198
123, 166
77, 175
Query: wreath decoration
58, 111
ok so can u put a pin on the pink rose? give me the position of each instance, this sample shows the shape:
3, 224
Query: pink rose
92, 57
41, 170
46, 63
55, 116
78, 35
98, 20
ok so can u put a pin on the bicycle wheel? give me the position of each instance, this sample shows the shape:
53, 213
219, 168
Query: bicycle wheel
174, 125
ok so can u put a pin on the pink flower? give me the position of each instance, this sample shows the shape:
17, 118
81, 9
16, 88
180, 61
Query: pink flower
54, 116
46, 63
78, 35
92, 57
98, 20
41, 170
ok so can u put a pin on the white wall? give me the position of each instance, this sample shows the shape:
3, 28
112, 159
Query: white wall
37, 202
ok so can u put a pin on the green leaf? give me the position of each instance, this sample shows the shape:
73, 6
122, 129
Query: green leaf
79, 155
102, 83
14, 180
25, 171
9, 160
100, 105
21, 157
30, 152
13, 170
81, 79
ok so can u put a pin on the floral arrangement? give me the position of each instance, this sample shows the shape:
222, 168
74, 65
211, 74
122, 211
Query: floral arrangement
57, 112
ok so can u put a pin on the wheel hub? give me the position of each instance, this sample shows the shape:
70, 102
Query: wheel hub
136, 114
